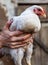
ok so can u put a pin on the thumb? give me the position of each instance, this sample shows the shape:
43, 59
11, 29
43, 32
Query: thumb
7, 25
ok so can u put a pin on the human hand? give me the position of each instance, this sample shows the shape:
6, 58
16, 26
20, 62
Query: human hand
13, 39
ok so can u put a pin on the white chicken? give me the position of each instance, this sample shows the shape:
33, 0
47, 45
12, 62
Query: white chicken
28, 21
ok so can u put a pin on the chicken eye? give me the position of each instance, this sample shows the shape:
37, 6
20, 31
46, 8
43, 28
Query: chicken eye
39, 9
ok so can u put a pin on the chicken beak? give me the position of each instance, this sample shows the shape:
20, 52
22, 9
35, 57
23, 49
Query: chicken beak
44, 15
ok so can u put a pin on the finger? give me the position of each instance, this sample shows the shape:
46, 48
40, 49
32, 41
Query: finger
22, 38
11, 34
16, 43
20, 43
17, 46
7, 25
15, 33
26, 37
29, 40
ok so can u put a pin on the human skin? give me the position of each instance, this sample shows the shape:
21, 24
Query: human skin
13, 39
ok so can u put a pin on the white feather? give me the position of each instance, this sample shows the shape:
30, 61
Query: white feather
27, 21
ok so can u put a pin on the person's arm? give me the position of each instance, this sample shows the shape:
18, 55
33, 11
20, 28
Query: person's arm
12, 39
